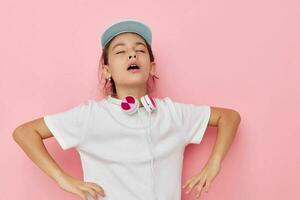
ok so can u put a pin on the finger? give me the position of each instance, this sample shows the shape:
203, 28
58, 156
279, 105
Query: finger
191, 185
207, 186
200, 187
96, 187
188, 181
82, 195
91, 191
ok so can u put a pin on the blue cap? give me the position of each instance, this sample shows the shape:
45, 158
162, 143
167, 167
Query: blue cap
126, 25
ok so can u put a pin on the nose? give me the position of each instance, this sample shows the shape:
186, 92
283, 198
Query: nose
132, 54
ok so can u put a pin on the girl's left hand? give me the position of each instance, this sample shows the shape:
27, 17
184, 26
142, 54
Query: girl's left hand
204, 178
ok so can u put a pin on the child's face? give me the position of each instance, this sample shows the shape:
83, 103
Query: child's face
124, 49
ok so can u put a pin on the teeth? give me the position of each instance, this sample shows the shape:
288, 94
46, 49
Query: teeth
133, 65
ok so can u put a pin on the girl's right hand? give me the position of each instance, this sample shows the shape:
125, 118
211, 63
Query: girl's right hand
79, 187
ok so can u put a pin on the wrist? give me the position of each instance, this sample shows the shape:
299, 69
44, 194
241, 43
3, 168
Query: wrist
215, 158
58, 176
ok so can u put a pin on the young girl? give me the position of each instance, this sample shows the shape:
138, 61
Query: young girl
131, 144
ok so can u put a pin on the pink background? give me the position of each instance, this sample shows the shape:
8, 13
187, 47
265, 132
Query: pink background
235, 54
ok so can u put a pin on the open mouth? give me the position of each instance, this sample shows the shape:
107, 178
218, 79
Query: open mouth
133, 67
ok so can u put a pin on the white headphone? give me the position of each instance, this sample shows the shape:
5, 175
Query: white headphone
130, 104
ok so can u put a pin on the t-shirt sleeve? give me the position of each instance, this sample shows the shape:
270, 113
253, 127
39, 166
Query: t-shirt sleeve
68, 127
194, 120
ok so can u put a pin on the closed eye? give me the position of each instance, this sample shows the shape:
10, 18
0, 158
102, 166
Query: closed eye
120, 52
124, 51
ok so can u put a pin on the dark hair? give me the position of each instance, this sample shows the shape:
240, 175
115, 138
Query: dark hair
111, 89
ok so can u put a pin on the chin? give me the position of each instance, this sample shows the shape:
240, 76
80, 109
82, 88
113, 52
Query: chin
135, 82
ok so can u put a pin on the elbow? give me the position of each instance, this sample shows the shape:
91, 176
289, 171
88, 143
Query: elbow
235, 116
23, 133
17, 133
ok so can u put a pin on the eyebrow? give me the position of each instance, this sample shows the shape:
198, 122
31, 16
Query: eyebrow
120, 44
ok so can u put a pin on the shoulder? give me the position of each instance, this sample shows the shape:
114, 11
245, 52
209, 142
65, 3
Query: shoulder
165, 102
170, 106
89, 103
170, 103
84, 107
86, 104
181, 109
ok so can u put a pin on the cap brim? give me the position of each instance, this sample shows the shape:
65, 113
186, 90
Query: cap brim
123, 26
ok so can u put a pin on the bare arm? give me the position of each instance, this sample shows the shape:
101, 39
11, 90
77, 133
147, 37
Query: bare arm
227, 121
29, 136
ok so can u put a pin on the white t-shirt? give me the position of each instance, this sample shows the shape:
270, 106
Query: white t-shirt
117, 153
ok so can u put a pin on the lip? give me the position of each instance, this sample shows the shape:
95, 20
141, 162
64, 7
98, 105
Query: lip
133, 63
134, 71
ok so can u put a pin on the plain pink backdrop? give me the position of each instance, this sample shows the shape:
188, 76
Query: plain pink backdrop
235, 54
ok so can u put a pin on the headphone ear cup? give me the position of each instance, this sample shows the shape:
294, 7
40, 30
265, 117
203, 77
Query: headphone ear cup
148, 103
145, 104
130, 104
153, 103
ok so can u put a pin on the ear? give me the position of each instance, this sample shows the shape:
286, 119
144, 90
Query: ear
105, 71
152, 68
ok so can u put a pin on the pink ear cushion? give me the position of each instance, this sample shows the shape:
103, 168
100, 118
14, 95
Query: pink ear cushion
152, 101
129, 99
127, 102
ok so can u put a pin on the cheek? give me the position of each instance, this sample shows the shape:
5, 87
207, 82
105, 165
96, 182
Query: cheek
114, 61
